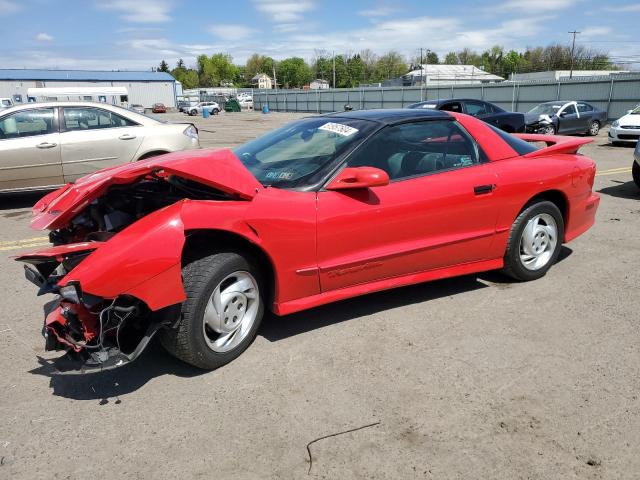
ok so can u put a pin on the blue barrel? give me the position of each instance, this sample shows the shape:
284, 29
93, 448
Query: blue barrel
265, 108
205, 112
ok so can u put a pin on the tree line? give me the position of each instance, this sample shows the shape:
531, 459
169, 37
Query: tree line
366, 67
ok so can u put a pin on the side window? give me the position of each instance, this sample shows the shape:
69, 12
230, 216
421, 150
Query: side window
27, 123
569, 110
83, 118
451, 107
419, 148
584, 108
477, 108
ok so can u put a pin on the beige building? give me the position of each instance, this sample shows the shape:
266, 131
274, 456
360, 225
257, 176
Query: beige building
262, 81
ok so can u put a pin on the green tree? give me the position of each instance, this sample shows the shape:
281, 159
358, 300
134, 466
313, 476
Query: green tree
390, 65
451, 59
164, 66
356, 70
293, 72
257, 63
216, 70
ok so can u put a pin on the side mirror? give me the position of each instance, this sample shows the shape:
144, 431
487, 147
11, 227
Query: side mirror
359, 177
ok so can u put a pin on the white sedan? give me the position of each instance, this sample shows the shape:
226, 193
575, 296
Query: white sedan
626, 129
44, 145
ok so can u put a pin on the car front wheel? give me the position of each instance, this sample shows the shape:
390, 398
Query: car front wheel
222, 312
635, 171
548, 130
534, 242
215, 111
193, 113
594, 128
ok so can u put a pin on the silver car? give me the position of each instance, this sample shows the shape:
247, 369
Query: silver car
44, 145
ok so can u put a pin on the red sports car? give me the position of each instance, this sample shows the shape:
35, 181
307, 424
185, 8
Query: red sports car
195, 246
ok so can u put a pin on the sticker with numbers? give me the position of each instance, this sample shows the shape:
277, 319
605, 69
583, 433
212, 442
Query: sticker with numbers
344, 130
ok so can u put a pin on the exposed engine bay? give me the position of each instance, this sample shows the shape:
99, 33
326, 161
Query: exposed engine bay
100, 333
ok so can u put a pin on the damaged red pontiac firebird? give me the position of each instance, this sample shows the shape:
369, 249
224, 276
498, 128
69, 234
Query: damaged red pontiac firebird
195, 246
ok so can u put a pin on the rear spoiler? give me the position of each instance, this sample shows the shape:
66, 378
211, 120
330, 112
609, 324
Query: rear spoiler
555, 144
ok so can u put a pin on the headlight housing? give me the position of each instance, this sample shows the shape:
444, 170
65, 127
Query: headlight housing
71, 292
191, 131
615, 124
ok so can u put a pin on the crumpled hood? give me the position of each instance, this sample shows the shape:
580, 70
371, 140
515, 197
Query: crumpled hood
531, 118
219, 169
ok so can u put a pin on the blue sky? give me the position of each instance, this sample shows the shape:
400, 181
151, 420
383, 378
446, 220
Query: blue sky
137, 34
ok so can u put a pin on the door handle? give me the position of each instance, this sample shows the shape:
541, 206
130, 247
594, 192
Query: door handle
46, 145
127, 136
484, 189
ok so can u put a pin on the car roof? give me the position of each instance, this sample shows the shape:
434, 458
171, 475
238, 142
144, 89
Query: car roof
391, 116
21, 106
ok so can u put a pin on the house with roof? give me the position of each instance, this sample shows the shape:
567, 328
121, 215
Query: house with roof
262, 81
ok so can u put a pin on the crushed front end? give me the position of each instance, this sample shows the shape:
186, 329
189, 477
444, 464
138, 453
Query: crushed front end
115, 263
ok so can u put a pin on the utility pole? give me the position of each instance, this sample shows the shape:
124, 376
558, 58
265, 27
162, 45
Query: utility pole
573, 49
275, 80
334, 69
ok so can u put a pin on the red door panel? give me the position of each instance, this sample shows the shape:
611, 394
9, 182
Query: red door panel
407, 226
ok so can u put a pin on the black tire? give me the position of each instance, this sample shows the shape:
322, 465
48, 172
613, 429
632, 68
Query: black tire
635, 171
193, 113
215, 111
594, 128
513, 265
186, 341
550, 130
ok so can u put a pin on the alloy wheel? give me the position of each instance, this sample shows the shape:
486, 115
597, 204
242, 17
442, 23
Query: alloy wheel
231, 311
538, 241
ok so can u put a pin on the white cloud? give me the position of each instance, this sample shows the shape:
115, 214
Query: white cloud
44, 37
231, 32
624, 8
284, 11
7, 7
382, 11
588, 33
140, 11
539, 6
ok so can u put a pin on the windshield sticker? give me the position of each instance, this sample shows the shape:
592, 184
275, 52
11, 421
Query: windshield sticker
338, 128
429, 105
280, 175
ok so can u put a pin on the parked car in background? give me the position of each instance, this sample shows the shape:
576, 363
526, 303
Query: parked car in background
197, 246
635, 170
565, 117
183, 105
196, 109
44, 145
511, 122
5, 102
136, 107
627, 128
159, 108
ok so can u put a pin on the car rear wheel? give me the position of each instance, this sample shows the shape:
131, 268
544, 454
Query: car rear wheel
635, 171
594, 128
222, 312
215, 111
193, 113
534, 242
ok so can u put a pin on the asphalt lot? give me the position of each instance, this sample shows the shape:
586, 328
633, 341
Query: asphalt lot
472, 377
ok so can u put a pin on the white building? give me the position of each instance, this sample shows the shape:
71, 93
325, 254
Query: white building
262, 81
555, 75
433, 75
143, 88
319, 84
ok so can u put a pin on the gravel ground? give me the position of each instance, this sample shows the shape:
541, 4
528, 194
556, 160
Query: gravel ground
468, 378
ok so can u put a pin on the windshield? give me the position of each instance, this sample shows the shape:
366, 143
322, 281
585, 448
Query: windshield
6, 103
546, 109
292, 155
